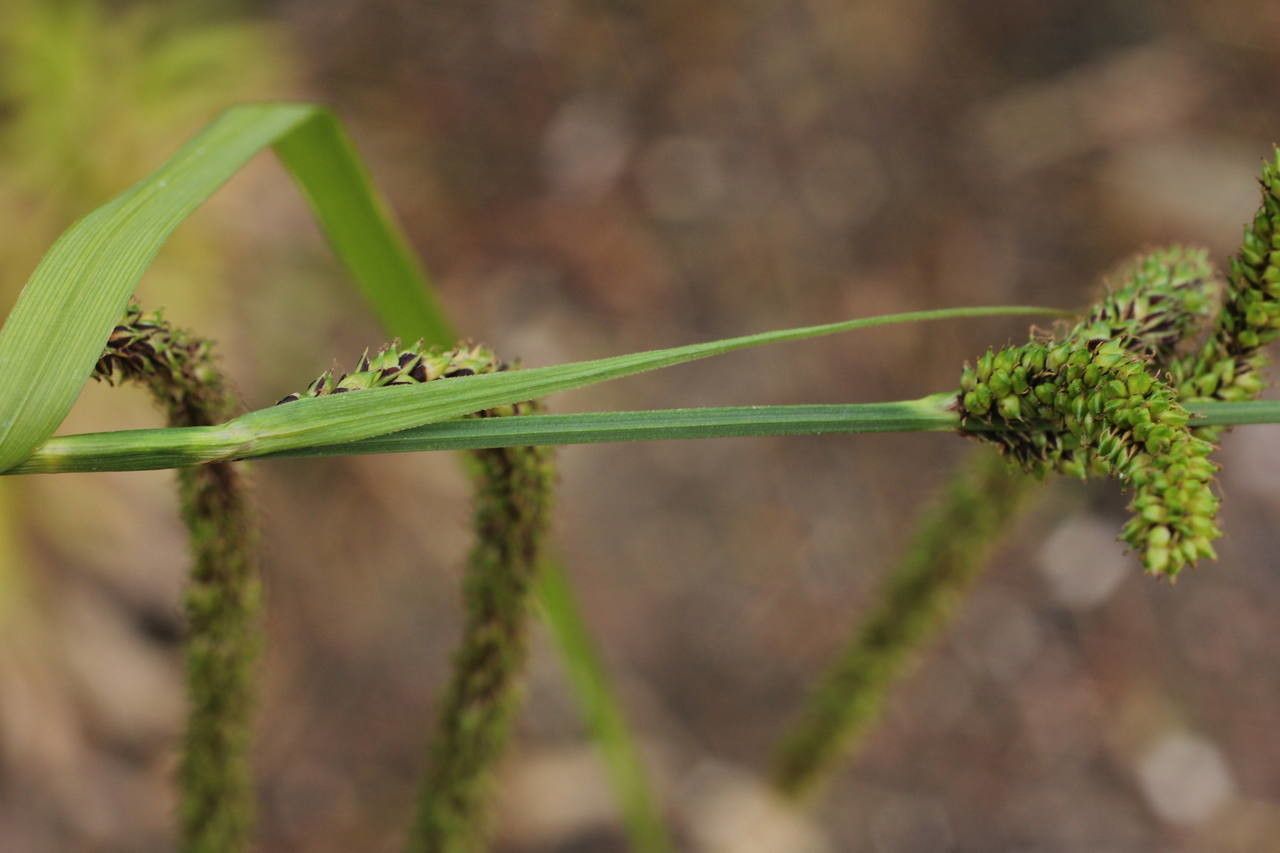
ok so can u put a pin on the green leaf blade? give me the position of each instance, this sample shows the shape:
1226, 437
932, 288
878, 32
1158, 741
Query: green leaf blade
135, 450
54, 334
150, 449
345, 418
363, 233
56, 330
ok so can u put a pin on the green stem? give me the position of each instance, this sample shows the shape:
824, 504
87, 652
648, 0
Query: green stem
154, 449
222, 596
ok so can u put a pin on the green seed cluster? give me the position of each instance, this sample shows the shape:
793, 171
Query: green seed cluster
1157, 301
1081, 410
178, 368
1093, 402
1048, 419
1229, 365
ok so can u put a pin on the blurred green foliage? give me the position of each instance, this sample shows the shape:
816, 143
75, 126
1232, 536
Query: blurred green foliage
93, 94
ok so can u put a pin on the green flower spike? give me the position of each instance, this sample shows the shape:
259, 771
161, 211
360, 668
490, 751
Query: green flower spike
1093, 402
1160, 313
221, 601
511, 512
1229, 365
394, 365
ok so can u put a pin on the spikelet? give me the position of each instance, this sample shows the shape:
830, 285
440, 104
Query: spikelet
177, 367
1079, 410
1229, 365
1095, 402
221, 601
511, 514
397, 365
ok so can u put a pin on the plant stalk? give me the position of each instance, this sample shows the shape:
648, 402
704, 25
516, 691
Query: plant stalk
222, 596
154, 449
948, 550
512, 505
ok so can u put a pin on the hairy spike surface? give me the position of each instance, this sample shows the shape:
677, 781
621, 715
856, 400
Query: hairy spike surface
1096, 400
511, 516
222, 597
1229, 365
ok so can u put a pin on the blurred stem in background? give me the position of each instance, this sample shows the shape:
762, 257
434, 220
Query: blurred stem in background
14, 602
94, 93
950, 547
603, 716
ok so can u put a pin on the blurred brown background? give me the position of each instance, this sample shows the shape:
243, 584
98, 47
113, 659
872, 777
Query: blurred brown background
587, 178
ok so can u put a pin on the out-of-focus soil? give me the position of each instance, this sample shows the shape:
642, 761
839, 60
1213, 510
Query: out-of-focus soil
589, 178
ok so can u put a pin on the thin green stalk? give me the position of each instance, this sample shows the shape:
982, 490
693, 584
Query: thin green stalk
948, 550
155, 449
222, 595
152, 449
341, 419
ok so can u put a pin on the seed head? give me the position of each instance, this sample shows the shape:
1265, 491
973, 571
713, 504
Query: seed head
1094, 401
396, 365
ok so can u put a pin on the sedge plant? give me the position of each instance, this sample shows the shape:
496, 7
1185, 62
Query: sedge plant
1203, 334
1125, 392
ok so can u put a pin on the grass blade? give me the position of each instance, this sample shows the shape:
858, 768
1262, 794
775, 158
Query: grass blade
927, 414
348, 417
152, 449
362, 231
57, 328
345, 418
